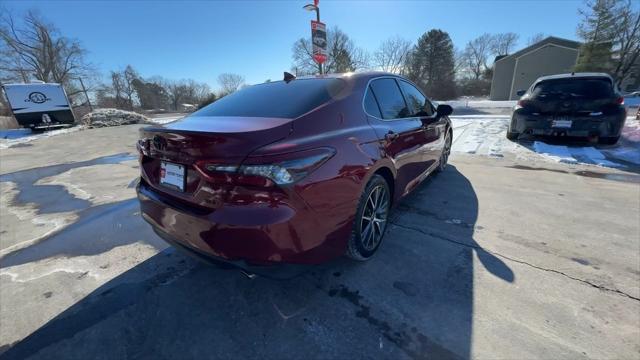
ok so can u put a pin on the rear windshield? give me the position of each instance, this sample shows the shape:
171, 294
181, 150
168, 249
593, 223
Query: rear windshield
574, 88
275, 99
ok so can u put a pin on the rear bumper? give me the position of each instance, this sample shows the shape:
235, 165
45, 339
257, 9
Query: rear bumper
280, 271
581, 126
258, 234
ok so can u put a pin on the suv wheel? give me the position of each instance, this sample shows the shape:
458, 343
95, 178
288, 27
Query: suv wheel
371, 219
609, 140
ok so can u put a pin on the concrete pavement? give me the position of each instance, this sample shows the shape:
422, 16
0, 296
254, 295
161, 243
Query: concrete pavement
494, 258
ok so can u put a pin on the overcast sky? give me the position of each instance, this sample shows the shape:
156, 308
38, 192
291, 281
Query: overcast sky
200, 40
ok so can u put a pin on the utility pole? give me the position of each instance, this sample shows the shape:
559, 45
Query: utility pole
318, 20
84, 90
316, 8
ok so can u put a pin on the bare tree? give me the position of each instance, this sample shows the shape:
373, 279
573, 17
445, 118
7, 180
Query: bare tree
342, 55
176, 92
118, 90
230, 82
36, 50
627, 41
536, 38
302, 56
392, 54
476, 54
129, 76
502, 44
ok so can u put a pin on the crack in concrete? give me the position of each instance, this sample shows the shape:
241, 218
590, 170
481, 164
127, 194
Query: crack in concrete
600, 287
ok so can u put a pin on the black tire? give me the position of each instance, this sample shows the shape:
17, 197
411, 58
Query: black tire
513, 136
609, 140
361, 246
446, 151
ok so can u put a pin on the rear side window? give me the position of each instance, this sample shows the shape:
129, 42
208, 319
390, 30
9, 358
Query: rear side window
389, 98
416, 102
371, 105
276, 99
589, 89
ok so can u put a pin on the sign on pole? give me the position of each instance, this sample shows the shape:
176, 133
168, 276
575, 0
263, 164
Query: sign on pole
319, 40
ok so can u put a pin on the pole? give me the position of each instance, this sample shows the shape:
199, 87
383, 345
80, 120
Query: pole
318, 20
84, 90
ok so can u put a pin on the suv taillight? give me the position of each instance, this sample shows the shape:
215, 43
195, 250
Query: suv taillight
265, 171
620, 101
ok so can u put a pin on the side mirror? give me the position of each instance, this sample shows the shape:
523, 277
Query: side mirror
444, 110
521, 92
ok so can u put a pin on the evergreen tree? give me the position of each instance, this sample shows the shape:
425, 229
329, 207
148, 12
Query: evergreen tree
431, 65
597, 31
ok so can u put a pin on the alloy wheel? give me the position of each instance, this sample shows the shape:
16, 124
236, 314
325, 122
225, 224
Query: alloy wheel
374, 218
445, 152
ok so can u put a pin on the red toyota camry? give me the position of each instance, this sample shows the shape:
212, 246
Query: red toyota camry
291, 172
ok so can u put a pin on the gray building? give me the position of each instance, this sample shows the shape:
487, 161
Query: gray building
519, 70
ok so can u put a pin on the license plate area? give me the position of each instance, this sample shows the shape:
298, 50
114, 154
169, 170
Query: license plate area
172, 175
561, 123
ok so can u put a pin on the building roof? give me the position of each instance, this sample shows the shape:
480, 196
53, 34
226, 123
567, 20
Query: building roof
574, 75
550, 40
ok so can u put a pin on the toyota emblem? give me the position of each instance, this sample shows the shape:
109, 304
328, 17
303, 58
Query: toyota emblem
159, 143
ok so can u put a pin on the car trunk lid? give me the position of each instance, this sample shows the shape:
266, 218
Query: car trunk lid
573, 96
220, 140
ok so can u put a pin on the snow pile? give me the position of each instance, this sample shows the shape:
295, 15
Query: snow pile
628, 148
480, 103
113, 117
485, 135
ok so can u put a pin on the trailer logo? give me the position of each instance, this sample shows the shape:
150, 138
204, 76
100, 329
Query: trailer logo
37, 97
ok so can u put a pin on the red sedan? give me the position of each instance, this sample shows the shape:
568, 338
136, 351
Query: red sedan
291, 172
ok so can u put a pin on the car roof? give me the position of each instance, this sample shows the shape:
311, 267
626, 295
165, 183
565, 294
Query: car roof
350, 75
575, 76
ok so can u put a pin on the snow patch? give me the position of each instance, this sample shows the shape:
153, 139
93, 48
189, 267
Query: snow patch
554, 152
13, 137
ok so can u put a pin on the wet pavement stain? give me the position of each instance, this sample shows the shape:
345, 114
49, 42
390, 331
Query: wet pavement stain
54, 198
581, 261
630, 178
415, 344
97, 230
407, 288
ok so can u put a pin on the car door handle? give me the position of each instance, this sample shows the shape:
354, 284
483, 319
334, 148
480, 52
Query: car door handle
391, 136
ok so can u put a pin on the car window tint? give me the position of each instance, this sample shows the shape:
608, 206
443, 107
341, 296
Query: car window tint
371, 105
418, 105
276, 99
573, 88
389, 98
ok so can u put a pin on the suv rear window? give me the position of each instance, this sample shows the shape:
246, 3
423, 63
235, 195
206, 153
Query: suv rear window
574, 88
276, 99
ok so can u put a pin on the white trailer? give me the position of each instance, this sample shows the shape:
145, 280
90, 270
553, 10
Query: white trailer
39, 106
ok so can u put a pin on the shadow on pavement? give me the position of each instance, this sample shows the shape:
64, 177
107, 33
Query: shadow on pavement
413, 300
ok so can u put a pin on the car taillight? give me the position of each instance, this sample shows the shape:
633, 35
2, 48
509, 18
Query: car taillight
281, 169
620, 100
523, 103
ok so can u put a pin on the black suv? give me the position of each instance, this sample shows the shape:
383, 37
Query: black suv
576, 104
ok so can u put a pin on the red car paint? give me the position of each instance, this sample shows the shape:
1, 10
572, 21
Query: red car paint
256, 221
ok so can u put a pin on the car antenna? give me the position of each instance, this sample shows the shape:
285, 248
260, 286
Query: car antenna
288, 77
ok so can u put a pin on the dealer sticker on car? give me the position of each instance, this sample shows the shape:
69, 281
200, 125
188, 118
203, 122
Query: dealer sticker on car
172, 175
561, 123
